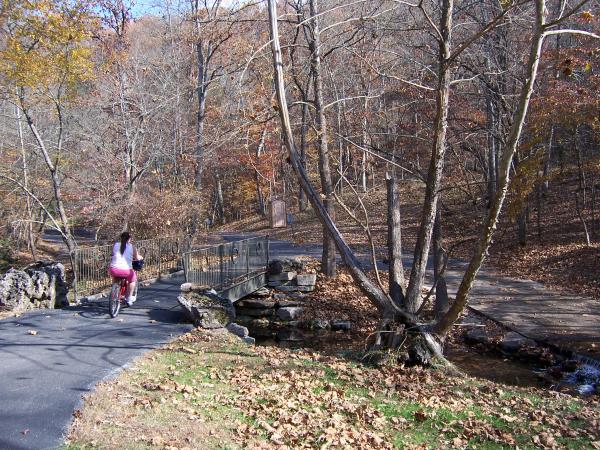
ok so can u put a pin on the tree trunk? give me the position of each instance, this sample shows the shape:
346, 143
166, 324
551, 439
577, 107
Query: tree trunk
202, 59
491, 141
580, 167
29, 209
578, 208
302, 201
260, 198
548, 161
365, 144
219, 200
442, 304
328, 263
394, 242
489, 225
434, 177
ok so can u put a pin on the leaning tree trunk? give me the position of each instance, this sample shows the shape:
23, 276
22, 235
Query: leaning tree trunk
445, 323
423, 345
65, 227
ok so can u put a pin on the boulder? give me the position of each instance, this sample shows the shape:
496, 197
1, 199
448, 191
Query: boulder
194, 287
15, 291
40, 286
243, 320
513, 342
279, 266
306, 279
249, 340
262, 292
207, 310
260, 323
256, 303
276, 284
318, 324
238, 330
290, 313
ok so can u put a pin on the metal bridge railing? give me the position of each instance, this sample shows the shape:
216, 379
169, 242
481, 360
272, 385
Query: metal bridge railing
91, 263
227, 264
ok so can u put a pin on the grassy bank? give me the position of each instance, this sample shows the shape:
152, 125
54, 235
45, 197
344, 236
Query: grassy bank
209, 390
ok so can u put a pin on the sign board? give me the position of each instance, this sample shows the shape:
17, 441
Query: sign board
278, 214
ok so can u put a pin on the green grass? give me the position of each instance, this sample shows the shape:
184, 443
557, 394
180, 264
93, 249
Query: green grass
403, 420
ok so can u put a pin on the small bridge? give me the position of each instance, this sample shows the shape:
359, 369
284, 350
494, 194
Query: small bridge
233, 269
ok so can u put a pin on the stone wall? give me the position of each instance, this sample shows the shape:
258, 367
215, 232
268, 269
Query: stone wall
285, 275
40, 285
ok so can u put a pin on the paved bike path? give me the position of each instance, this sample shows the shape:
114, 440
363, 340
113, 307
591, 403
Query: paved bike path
567, 321
43, 376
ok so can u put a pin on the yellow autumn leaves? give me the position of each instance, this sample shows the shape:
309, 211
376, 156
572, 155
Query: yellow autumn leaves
47, 43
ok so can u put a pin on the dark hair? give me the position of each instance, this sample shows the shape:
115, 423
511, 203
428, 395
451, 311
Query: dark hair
124, 238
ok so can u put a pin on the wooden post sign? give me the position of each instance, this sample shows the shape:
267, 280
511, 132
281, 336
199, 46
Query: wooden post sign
278, 214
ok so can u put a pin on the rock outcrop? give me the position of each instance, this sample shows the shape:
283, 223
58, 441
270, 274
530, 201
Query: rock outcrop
49, 283
40, 285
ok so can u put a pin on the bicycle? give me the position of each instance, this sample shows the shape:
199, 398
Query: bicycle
119, 289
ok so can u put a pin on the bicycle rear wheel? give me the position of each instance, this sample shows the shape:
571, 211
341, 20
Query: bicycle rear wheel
114, 301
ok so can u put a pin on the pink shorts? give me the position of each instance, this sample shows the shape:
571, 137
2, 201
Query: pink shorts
129, 274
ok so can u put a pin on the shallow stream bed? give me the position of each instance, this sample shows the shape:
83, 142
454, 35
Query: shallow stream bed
476, 364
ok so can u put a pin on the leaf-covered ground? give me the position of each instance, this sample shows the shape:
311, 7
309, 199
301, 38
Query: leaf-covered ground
555, 254
209, 390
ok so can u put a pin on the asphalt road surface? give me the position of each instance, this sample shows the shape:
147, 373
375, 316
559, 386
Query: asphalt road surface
44, 376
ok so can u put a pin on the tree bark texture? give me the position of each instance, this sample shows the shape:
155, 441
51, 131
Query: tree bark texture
394, 242
328, 263
436, 165
442, 303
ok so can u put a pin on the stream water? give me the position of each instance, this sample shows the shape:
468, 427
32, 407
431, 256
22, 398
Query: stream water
495, 368
476, 364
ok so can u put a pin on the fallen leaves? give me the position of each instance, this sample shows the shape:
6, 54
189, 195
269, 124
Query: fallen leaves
270, 397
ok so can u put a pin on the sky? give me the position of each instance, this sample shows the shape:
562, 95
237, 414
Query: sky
145, 7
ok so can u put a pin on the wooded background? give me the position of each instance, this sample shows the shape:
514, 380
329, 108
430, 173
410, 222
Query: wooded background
157, 122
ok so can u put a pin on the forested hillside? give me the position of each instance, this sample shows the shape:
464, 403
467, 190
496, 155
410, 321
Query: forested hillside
157, 121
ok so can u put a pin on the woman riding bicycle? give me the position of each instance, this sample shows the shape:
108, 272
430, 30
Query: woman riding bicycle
121, 264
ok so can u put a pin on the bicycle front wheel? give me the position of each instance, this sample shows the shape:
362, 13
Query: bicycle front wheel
114, 303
